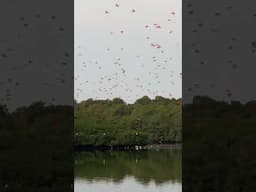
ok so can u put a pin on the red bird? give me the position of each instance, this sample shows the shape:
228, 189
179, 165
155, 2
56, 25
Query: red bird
158, 46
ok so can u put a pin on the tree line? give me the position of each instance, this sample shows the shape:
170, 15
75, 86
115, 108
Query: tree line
114, 122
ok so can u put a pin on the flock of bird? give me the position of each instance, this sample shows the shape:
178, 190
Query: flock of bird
118, 82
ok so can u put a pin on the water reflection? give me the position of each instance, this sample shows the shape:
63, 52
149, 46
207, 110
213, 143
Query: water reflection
128, 171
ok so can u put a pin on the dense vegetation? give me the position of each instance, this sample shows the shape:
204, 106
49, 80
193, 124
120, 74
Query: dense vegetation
113, 122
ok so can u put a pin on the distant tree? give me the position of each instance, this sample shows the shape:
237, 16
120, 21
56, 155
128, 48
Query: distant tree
118, 101
162, 100
144, 100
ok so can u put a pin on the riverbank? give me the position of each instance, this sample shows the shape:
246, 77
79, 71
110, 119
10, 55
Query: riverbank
81, 148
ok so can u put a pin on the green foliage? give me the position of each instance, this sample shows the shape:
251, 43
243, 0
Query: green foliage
105, 122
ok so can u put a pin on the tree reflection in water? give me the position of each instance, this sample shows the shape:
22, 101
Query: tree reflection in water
145, 166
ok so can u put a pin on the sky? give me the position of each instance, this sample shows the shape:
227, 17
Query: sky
128, 49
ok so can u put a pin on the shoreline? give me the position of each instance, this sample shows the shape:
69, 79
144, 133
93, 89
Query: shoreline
84, 148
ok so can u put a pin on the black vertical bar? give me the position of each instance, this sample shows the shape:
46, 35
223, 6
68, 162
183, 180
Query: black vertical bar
219, 52
36, 95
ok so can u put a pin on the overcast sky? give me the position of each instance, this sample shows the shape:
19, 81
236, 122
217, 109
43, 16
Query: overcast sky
127, 49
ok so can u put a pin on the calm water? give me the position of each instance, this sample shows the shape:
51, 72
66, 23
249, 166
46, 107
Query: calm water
144, 171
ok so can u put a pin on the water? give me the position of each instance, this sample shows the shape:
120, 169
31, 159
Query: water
138, 171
